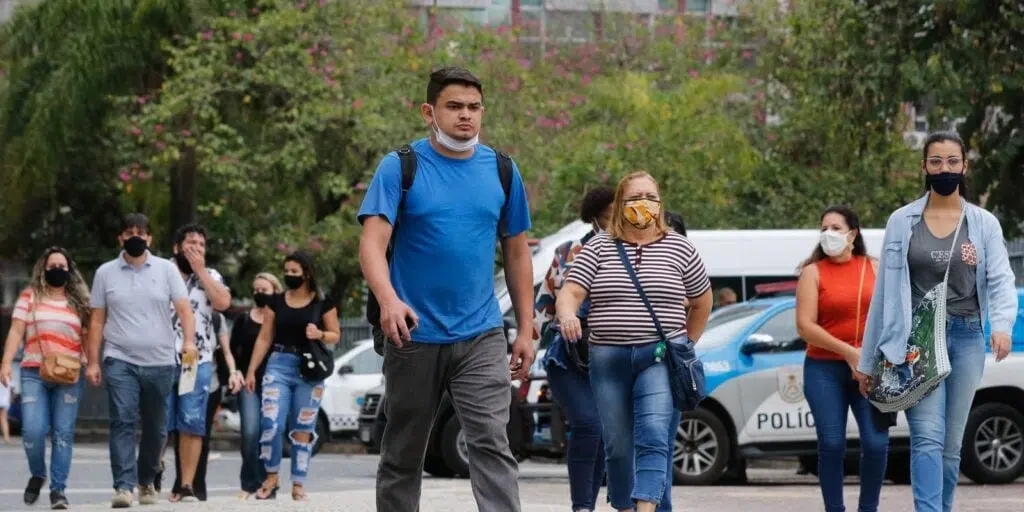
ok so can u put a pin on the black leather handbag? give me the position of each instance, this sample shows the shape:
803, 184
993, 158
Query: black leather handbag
317, 361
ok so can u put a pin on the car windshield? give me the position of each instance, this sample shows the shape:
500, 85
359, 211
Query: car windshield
725, 324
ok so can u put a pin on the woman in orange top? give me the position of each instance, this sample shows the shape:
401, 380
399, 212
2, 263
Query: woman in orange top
49, 317
832, 301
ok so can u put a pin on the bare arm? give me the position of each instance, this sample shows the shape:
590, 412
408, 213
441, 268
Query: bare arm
807, 317
188, 320
94, 340
569, 299
519, 277
697, 315
373, 246
332, 327
262, 346
15, 337
225, 347
219, 295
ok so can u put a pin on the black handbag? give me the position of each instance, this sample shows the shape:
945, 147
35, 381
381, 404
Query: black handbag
685, 370
317, 361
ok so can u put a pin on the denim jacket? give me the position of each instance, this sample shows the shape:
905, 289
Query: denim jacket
888, 322
544, 304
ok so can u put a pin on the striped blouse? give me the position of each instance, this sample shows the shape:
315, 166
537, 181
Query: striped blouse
669, 270
52, 323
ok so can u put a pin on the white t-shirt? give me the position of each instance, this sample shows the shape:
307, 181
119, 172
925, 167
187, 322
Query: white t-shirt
206, 338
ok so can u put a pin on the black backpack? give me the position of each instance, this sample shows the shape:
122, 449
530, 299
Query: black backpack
408, 159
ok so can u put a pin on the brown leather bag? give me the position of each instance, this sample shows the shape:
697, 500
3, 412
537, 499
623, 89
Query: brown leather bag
62, 369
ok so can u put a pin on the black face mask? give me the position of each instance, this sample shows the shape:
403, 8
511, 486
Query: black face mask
294, 282
261, 299
944, 183
135, 246
56, 277
183, 265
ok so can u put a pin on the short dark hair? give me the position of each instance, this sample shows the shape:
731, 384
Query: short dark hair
449, 75
135, 220
192, 227
675, 221
947, 136
595, 202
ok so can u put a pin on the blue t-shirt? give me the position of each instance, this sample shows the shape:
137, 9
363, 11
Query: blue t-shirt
443, 260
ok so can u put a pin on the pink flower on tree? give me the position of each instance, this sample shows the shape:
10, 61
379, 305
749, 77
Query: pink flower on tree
358, 103
585, 81
236, 36
247, 37
186, 133
361, 186
694, 73
207, 35
160, 145
135, 131
125, 176
232, 14
142, 100
158, 128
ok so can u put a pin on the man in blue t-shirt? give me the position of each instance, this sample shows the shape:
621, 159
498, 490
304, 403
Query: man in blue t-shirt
437, 304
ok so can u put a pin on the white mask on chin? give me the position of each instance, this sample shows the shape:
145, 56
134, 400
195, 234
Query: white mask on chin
449, 142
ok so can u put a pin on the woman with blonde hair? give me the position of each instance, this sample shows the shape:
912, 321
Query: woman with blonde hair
243, 338
638, 277
50, 318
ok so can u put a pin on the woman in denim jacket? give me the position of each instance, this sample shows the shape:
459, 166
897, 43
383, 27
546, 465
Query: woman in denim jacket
980, 286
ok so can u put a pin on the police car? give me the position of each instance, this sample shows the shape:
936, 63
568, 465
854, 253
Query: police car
753, 359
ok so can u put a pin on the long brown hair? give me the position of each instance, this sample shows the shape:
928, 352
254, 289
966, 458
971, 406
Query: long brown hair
617, 227
76, 291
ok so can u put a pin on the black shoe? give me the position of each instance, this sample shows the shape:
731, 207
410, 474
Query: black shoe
58, 501
187, 494
35, 485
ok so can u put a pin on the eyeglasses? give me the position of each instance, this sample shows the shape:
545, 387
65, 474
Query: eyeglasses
936, 163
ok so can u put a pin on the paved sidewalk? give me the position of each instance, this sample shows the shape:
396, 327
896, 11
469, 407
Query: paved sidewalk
447, 496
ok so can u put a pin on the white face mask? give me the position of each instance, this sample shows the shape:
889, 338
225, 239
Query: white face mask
833, 242
457, 146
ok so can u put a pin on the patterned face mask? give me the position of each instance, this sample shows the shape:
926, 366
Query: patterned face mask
641, 213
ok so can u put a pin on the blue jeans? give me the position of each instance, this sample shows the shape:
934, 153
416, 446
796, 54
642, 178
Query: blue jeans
48, 408
187, 413
831, 392
636, 413
937, 423
252, 474
136, 392
287, 396
571, 390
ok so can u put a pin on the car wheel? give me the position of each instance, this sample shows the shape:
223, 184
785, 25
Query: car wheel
702, 449
898, 469
435, 466
993, 451
454, 448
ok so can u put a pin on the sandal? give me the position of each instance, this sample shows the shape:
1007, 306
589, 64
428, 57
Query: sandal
244, 495
267, 492
298, 494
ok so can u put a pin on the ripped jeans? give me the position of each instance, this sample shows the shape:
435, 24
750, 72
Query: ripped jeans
48, 408
288, 401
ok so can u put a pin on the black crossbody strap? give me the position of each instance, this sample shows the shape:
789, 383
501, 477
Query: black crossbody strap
639, 289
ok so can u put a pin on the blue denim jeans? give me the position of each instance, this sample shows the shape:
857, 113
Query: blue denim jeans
571, 389
136, 392
48, 408
937, 423
187, 413
288, 399
636, 415
252, 473
831, 393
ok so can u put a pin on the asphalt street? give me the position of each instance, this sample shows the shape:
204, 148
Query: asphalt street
345, 482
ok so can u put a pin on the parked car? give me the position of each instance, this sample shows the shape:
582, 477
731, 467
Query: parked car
355, 371
753, 359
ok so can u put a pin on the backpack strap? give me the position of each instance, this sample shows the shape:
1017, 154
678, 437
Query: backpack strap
505, 171
408, 158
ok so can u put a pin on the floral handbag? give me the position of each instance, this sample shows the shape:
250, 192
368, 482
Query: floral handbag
898, 387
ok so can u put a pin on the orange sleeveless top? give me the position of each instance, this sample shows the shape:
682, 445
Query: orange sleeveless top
838, 286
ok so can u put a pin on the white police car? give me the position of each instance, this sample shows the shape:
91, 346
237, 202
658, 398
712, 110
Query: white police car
753, 359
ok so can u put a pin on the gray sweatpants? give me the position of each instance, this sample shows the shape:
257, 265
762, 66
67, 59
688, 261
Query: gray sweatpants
477, 376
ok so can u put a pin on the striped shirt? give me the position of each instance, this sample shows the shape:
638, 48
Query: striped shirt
54, 324
669, 270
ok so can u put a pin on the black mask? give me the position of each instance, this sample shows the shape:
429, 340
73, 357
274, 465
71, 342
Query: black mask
56, 277
294, 282
261, 299
183, 265
135, 246
944, 183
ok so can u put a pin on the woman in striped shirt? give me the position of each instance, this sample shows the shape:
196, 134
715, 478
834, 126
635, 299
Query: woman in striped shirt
49, 317
626, 368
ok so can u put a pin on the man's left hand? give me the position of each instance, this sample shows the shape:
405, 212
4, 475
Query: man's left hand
195, 259
189, 347
1000, 345
523, 354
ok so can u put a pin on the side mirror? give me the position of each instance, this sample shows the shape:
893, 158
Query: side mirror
760, 343
345, 370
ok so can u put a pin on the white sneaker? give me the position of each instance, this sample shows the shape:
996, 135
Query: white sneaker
148, 495
122, 499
